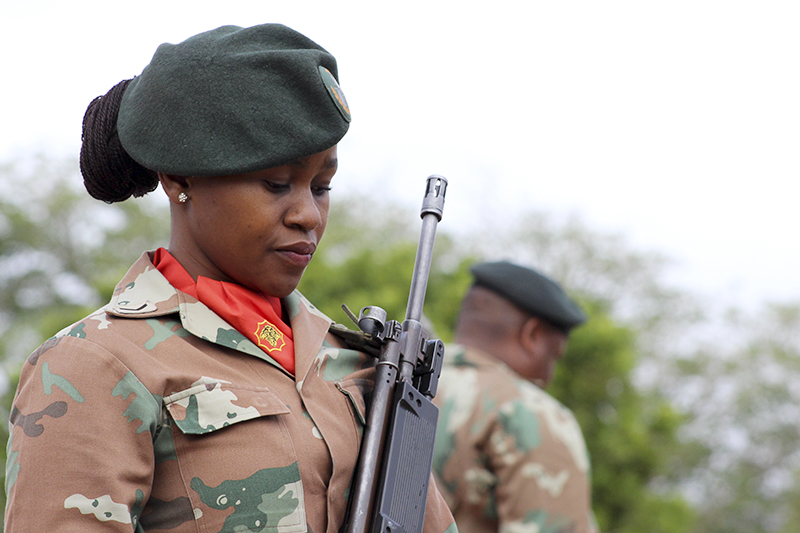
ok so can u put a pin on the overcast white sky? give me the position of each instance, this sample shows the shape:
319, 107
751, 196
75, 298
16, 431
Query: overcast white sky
675, 123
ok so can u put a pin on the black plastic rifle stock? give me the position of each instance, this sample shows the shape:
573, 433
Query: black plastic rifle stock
391, 483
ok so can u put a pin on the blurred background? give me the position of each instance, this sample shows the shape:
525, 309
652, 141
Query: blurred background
642, 153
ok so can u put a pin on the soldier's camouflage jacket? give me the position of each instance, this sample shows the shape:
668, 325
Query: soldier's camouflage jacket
508, 456
153, 414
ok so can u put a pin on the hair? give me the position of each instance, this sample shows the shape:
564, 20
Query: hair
109, 173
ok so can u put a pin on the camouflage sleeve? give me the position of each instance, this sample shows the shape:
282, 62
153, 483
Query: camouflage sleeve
438, 518
81, 447
538, 455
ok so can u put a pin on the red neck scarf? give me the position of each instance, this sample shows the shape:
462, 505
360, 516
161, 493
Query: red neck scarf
254, 315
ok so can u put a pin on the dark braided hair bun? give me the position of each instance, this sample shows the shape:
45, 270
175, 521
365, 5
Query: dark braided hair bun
109, 173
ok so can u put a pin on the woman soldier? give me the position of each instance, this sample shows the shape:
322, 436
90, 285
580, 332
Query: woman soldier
208, 395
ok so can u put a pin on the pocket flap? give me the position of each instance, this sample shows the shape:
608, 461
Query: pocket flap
356, 390
214, 404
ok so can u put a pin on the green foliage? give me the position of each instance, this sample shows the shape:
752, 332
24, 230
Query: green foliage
740, 386
62, 252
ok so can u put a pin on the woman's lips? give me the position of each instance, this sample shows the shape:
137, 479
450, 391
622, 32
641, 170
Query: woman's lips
299, 254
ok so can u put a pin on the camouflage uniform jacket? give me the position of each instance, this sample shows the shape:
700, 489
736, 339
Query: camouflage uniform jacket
508, 456
153, 414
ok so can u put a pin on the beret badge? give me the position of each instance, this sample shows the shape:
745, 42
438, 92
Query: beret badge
335, 92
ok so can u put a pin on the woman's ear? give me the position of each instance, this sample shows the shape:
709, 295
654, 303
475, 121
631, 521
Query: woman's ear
176, 187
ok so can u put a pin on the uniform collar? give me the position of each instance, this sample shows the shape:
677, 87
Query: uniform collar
145, 293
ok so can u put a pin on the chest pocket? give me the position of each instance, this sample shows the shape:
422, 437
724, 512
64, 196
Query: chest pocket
212, 406
239, 476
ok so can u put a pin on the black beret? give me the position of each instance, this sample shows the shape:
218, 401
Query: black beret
531, 291
233, 100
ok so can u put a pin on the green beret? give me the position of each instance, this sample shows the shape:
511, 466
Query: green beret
531, 291
233, 100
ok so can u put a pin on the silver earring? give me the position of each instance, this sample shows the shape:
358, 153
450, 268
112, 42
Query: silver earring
182, 197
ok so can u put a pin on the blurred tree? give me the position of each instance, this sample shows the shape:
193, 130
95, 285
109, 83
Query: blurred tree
62, 252
741, 386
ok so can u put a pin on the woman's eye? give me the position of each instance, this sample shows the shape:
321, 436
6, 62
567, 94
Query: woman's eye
320, 191
276, 187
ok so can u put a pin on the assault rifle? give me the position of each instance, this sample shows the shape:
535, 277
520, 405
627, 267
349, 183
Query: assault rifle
390, 487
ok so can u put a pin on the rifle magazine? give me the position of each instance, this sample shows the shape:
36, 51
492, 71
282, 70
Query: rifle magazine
402, 495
